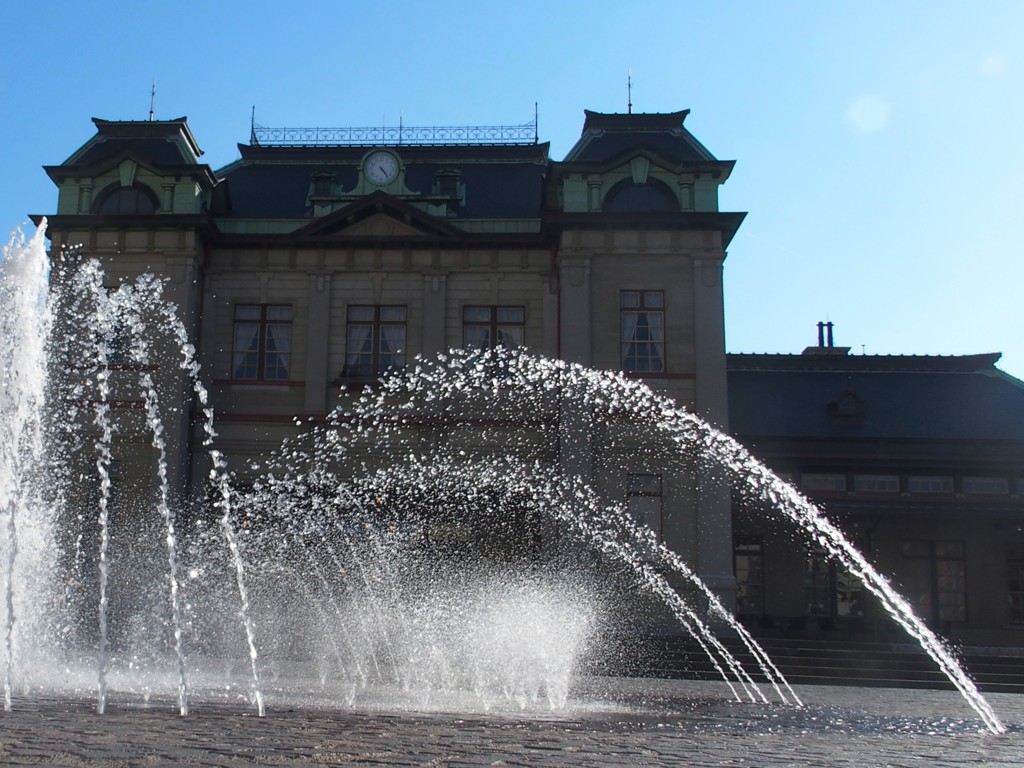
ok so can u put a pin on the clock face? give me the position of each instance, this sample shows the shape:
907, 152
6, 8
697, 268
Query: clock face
381, 167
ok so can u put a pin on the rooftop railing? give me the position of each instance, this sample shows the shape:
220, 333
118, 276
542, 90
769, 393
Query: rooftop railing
402, 135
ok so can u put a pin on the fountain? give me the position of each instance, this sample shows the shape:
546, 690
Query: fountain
415, 550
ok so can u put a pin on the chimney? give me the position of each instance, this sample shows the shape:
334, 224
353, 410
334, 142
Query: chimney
826, 342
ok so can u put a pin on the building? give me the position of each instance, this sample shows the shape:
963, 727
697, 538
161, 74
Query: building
320, 259
920, 459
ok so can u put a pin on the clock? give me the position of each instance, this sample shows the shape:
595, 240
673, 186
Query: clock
380, 167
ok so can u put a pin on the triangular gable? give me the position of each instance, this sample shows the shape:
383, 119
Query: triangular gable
377, 215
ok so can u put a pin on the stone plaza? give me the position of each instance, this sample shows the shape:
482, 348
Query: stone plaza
610, 723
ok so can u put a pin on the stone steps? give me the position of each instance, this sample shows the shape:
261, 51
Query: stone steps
824, 662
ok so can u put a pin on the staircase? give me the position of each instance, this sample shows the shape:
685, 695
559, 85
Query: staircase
824, 662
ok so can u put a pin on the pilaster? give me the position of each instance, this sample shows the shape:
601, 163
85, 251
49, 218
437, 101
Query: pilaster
714, 514
318, 310
575, 315
435, 296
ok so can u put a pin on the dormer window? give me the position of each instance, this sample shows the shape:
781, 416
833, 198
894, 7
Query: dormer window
449, 184
848, 408
137, 199
323, 184
650, 197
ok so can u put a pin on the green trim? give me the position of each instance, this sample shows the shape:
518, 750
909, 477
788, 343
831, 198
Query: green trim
285, 226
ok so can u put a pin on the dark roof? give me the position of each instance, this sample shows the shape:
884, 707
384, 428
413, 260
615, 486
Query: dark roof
874, 397
606, 136
162, 142
500, 182
830, 359
273, 191
166, 147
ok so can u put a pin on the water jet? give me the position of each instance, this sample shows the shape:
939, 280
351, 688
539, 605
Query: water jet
416, 544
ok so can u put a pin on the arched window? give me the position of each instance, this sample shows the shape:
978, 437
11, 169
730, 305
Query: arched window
652, 197
119, 201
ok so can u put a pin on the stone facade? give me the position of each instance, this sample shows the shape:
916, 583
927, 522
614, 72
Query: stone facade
302, 270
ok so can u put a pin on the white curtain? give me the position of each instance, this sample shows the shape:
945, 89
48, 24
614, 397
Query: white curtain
245, 362
359, 356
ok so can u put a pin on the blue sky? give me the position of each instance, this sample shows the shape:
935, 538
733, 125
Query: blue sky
878, 144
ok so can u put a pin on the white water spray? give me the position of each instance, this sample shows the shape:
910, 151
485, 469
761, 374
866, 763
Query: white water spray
394, 427
24, 270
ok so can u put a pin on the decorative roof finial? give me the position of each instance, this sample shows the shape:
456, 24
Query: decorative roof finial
629, 91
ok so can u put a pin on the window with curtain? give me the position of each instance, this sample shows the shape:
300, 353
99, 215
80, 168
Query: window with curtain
375, 340
489, 327
261, 350
642, 317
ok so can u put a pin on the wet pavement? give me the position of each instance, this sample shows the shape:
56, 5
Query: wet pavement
625, 722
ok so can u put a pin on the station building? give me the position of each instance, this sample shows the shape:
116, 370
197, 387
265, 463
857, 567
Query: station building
321, 258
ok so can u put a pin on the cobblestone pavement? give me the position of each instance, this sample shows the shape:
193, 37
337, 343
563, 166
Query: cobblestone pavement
651, 722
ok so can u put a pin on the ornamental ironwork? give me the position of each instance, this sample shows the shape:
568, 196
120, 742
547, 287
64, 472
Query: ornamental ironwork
401, 135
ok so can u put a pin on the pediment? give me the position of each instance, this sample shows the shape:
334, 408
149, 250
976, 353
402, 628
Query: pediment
658, 160
378, 215
380, 225
654, 160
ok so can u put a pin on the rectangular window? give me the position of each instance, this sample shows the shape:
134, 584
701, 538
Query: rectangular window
818, 584
489, 327
982, 485
816, 481
831, 590
849, 592
642, 322
748, 564
936, 578
375, 338
644, 500
929, 484
1015, 586
876, 483
262, 342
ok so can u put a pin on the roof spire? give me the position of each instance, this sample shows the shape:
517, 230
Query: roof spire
152, 101
629, 91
